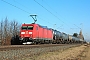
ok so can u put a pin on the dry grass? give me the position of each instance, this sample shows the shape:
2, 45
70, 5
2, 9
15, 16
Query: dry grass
69, 54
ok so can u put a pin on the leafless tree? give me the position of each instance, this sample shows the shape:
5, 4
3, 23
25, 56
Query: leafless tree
1, 31
7, 30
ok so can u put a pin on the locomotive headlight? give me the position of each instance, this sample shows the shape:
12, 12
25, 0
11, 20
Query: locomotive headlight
30, 32
22, 32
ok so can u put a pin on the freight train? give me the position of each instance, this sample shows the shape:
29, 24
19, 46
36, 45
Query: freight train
37, 34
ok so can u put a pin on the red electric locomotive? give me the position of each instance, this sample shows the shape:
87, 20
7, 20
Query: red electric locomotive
35, 33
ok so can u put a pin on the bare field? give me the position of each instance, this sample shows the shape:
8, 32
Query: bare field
73, 53
69, 54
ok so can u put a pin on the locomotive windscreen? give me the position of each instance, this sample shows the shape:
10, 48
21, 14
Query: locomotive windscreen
30, 27
27, 27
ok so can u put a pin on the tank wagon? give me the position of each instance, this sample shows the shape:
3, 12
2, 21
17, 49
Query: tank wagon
37, 34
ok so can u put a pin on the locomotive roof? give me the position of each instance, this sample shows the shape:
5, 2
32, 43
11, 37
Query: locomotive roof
44, 27
38, 25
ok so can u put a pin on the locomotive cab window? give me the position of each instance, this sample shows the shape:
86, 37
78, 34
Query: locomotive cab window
24, 28
30, 27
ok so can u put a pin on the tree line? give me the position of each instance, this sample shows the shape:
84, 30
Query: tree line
7, 30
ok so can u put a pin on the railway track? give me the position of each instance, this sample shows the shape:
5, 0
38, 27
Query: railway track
14, 52
13, 47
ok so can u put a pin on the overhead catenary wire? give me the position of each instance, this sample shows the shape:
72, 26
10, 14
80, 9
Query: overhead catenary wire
53, 13
23, 9
16, 6
50, 7
77, 26
31, 10
20, 8
50, 12
22, 5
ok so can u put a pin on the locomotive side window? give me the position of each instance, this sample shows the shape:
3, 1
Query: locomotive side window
30, 27
36, 28
24, 27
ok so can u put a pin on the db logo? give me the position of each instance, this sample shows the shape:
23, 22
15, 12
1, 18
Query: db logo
26, 32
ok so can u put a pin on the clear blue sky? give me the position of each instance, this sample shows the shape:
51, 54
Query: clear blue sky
64, 15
